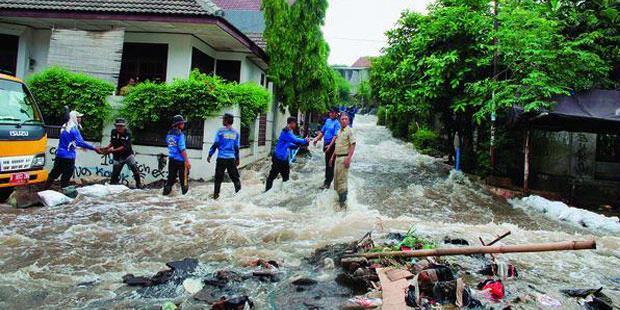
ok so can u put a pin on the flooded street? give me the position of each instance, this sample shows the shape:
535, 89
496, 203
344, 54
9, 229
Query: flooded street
75, 256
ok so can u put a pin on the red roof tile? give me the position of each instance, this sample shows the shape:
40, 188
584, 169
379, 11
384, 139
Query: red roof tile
362, 62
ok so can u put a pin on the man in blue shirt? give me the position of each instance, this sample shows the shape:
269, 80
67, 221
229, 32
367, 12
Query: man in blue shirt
280, 160
227, 142
328, 132
70, 139
178, 160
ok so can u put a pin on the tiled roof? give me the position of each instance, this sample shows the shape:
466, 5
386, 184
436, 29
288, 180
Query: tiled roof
362, 62
258, 39
251, 5
183, 7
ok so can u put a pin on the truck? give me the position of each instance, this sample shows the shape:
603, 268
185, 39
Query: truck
23, 139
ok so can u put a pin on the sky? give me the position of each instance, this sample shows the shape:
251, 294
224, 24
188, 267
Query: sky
356, 28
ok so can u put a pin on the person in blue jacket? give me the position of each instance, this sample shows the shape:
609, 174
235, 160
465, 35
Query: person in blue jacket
70, 139
280, 158
226, 142
328, 132
178, 160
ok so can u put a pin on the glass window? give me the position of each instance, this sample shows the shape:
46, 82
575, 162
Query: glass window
202, 61
16, 103
142, 62
229, 70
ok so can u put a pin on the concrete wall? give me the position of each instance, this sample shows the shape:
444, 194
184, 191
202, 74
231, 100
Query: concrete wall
565, 163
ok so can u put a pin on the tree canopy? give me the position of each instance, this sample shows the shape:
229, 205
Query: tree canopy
298, 54
440, 65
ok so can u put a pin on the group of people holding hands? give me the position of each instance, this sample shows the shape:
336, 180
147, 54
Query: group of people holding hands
338, 145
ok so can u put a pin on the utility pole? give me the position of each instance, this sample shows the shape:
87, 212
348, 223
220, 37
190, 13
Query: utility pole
493, 115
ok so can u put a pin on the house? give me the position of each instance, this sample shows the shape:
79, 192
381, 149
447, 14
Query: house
355, 74
156, 40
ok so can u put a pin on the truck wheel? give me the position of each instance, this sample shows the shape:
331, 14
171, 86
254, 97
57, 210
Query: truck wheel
5, 193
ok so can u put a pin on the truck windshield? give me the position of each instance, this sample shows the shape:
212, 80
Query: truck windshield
17, 104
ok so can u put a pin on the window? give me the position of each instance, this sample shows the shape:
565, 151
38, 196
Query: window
143, 61
202, 61
8, 54
154, 134
229, 70
608, 148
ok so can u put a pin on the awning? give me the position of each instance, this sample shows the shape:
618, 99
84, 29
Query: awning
595, 111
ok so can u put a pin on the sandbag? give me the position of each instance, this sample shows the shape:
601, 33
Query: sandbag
50, 198
100, 190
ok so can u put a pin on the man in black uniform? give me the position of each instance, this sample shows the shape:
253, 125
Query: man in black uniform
122, 153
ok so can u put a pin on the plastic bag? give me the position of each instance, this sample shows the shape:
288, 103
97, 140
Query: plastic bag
51, 198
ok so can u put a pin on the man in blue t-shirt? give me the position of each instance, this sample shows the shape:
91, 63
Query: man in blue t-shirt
178, 160
328, 132
226, 142
280, 159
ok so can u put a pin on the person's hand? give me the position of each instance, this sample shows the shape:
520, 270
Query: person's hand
237, 162
98, 150
308, 140
331, 162
315, 141
347, 162
209, 159
188, 165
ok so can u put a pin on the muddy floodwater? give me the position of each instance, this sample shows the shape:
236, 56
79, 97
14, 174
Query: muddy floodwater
74, 256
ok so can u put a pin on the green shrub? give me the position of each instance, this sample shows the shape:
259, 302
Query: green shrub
252, 100
381, 116
427, 142
54, 88
198, 97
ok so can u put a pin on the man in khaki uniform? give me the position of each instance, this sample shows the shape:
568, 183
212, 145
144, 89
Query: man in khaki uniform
345, 147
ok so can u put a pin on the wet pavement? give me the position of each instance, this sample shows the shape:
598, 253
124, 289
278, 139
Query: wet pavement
75, 256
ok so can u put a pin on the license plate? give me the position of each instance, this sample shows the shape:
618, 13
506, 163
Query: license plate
19, 178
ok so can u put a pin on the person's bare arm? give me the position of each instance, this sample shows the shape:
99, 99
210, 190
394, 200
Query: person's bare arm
186, 158
318, 137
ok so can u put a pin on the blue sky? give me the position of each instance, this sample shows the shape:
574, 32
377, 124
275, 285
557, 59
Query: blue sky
355, 28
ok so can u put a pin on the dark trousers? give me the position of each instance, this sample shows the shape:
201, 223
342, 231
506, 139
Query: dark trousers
118, 167
221, 166
64, 167
329, 171
176, 169
278, 167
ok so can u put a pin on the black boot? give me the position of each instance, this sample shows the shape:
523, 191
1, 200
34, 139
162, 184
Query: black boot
138, 182
167, 190
342, 199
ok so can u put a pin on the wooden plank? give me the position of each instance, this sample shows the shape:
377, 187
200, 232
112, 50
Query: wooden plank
393, 291
397, 274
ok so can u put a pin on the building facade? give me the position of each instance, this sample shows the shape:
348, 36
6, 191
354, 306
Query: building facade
156, 40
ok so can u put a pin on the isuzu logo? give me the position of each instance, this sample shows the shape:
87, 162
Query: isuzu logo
18, 133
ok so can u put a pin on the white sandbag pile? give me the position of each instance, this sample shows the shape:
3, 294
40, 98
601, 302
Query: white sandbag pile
559, 211
51, 198
100, 190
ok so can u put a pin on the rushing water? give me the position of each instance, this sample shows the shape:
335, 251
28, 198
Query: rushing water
74, 256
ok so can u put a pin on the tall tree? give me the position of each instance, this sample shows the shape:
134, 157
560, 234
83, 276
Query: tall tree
298, 54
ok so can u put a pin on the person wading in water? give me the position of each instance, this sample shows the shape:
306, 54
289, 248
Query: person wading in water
341, 159
227, 142
122, 152
70, 139
280, 158
327, 133
178, 160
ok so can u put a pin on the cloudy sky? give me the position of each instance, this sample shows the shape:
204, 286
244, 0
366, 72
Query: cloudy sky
355, 28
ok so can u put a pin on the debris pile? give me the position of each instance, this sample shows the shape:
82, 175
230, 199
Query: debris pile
398, 270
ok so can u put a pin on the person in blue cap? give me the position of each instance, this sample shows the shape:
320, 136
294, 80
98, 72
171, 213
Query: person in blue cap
227, 143
280, 159
328, 132
178, 160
